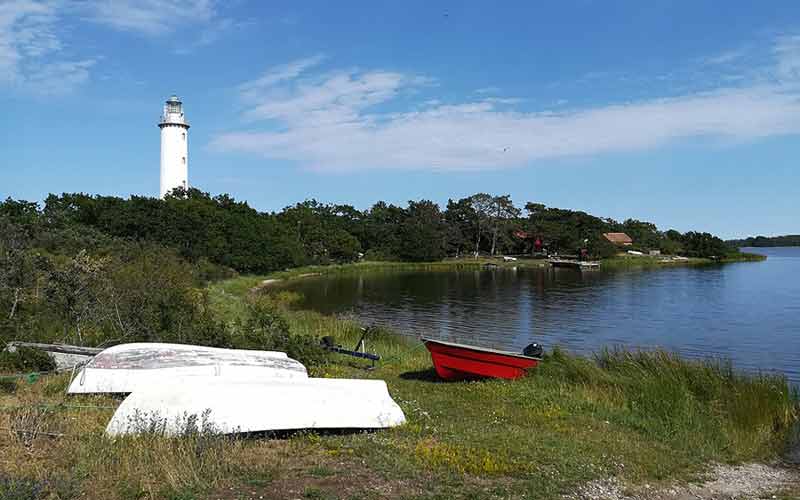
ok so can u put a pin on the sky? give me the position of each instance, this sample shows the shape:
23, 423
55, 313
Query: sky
683, 113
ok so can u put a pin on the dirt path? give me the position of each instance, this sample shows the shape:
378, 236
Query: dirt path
743, 482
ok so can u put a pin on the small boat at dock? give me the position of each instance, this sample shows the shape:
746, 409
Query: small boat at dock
574, 264
454, 361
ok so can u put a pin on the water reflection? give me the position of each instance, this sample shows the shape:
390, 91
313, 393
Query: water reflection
748, 312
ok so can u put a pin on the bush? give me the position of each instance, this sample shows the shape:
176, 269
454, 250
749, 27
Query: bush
265, 328
670, 247
600, 247
26, 359
206, 330
704, 245
21, 489
377, 254
7, 386
206, 271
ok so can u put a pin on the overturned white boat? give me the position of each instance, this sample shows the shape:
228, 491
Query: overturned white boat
127, 367
225, 407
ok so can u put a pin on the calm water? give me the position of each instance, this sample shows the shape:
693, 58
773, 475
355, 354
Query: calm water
749, 312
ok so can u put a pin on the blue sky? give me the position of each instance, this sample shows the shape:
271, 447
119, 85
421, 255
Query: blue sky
686, 114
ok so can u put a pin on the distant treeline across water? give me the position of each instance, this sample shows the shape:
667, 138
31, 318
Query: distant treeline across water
788, 240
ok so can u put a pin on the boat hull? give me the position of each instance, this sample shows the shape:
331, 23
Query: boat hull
230, 407
574, 264
461, 362
128, 367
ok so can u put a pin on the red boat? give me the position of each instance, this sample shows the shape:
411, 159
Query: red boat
462, 362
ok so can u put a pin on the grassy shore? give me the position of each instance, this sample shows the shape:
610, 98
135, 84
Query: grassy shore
743, 257
624, 261
642, 418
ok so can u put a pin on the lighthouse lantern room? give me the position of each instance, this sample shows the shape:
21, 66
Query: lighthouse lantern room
174, 147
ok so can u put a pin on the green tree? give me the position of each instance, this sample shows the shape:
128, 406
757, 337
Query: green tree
482, 205
382, 239
72, 290
564, 230
459, 217
697, 244
600, 247
671, 243
423, 232
501, 213
643, 234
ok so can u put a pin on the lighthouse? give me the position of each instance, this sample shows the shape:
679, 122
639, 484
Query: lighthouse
174, 146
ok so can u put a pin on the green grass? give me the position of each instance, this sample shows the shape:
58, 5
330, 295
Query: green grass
642, 417
622, 261
744, 257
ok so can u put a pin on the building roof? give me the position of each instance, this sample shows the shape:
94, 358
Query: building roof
618, 238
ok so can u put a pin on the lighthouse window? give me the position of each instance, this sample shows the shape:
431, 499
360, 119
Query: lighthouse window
184, 160
184, 136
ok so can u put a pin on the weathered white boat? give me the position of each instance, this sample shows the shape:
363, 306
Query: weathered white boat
228, 407
127, 367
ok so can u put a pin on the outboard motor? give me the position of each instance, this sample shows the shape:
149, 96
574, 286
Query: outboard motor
533, 350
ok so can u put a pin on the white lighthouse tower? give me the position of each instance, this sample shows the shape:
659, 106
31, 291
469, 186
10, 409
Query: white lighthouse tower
174, 147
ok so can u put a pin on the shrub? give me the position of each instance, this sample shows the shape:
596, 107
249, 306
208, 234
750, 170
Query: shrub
264, 327
600, 247
377, 254
207, 331
206, 271
21, 489
26, 359
7, 386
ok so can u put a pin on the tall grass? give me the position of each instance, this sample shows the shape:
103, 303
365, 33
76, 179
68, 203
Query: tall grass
623, 262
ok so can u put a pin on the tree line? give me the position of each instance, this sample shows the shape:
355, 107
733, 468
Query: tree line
789, 240
233, 234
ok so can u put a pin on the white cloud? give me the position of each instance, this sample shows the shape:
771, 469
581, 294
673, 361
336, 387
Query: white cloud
340, 97
727, 57
58, 78
33, 56
26, 30
279, 74
30, 49
212, 31
334, 121
787, 53
148, 17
